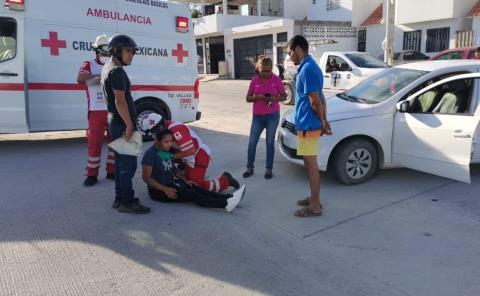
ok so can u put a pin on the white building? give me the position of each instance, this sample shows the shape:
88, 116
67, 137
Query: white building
351, 11
261, 27
474, 14
238, 31
428, 26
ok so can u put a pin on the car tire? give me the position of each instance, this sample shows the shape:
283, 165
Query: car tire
279, 71
355, 161
147, 107
290, 90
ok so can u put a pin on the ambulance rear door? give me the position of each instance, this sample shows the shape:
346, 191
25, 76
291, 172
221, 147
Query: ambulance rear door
13, 114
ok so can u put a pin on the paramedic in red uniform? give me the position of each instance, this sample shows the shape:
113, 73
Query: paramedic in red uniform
89, 75
191, 151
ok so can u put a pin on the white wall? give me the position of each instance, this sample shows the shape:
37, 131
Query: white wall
454, 25
319, 12
217, 23
476, 30
295, 9
376, 34
361, 9
430, 10
375, 37
273, 27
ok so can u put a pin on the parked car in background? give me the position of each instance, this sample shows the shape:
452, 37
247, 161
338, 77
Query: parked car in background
407, 56
423, 116
341, 69
457, 54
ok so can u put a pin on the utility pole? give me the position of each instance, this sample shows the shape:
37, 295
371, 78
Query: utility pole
390, 32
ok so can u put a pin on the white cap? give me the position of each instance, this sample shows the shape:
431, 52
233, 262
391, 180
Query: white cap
150, 121
101, 42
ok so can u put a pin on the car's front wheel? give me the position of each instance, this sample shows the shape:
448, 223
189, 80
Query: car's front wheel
290, 90
355, 161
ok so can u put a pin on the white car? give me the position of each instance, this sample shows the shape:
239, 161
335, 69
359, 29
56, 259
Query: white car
422, 116
352, 68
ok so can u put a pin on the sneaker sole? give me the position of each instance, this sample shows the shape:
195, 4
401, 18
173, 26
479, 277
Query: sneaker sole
132, 212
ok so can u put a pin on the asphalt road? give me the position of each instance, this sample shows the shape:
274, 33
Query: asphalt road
403, 233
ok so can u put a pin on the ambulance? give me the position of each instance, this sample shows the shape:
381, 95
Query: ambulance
44, 42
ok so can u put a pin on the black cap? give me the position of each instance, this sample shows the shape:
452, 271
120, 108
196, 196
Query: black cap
121, 41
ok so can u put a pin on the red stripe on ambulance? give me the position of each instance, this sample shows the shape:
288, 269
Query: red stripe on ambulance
76, 86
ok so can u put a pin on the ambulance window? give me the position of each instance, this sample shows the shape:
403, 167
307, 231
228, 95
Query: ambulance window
8, 39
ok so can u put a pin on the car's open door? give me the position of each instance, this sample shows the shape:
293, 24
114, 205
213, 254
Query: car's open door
438, 141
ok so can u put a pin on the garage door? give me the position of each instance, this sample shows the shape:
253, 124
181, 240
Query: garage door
246, 52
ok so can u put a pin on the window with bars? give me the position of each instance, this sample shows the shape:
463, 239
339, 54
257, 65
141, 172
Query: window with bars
333, 4
362, 40
438, 39
412, 40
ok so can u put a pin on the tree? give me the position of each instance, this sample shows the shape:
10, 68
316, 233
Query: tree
196, 14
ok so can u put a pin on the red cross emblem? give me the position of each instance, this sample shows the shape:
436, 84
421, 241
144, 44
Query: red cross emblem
152, 122
54, 43
179, 53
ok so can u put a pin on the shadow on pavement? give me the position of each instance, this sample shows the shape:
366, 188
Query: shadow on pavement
258, 247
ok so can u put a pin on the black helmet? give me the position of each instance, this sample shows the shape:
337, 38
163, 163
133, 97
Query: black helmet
117, 42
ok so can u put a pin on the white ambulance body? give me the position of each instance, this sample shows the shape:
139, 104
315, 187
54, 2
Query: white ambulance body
44, 42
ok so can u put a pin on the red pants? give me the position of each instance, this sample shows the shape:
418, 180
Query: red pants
97, 132
197, 174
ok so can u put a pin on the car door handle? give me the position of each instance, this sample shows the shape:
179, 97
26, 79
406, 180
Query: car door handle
462, 136
8, 74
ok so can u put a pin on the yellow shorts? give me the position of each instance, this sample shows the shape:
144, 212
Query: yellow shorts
307, 142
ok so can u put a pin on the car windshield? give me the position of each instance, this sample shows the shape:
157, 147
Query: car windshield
363, 60
381, 86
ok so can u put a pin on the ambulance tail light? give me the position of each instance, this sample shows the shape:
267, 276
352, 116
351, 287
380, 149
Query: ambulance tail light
196, 89
182, 24
15, 4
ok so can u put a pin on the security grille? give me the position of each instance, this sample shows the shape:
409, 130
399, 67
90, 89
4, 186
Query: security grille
362, 40
438, 39
412, 40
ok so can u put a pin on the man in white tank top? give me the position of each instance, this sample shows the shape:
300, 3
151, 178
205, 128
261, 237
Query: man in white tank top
89, 75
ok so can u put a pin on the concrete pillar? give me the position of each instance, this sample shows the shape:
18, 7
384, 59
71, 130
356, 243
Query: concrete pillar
225, 7
204, 56
259, 7
390, 33
275, 50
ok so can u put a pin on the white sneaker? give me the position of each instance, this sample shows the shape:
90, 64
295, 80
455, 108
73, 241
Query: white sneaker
244, 187
233, 201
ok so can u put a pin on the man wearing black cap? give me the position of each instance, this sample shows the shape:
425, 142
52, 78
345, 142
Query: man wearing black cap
121, 109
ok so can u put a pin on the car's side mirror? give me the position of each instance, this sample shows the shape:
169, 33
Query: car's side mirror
403, 106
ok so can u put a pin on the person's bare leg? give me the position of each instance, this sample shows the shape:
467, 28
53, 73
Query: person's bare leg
314, 178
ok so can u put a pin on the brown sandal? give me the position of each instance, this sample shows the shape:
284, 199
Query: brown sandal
304, 202
306, 212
